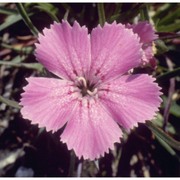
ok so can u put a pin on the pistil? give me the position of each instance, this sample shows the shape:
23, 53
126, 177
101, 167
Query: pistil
85, 88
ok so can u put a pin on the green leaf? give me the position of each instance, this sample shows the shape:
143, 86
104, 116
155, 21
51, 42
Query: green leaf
50, 9
131, 13
159, 121
35, 66
18, 59
23, 50
66, 14
174, 26
7, 11
11, 19
169, 74
144, 15
161, 47
166, 146
170, 17
174, 109
101, 14
165, 137
26, 18
9, 102
163, 10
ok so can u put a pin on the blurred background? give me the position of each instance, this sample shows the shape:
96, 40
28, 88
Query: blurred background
151, 150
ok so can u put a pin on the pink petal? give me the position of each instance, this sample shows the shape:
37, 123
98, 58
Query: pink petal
131, 99
91, 131
147, 34
144, 30
148, 53
48, 102
65, 50
115, 50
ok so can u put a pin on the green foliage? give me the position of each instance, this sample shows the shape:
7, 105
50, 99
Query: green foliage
50, 9
9, 102
165, 137
168, 18
101, 14
26, 18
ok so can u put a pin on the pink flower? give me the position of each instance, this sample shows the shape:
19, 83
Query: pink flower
147, 35
93, 95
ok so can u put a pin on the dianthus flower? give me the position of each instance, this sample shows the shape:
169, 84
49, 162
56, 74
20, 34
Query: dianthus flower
94, 94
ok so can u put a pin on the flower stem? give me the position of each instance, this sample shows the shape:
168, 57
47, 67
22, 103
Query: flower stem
26, 19
101, 13
169, 74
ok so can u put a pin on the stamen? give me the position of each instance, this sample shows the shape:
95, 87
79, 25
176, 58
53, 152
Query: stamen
92, 93
83, 81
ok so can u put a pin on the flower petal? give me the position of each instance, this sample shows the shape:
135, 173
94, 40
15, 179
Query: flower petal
65, 50
131, 99
144, 30
48, 102
147, 34
91, 131
115, 50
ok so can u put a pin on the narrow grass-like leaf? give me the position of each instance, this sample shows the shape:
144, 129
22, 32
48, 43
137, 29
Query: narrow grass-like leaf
23, 50
161, 134
101, 14
18, 59
50, 9
170, 17
161, 47
35, 66
169, 74
118, 8
174, 109
163, 10
166, 146
127, 16
175, 26
159, 121
10, 20
9, 102
144, 15
26, 19
66, 14
7, 11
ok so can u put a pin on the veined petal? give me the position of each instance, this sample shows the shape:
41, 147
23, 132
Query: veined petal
65, 50
115, 50
144, 30
131, 99
148, 53
48, 102
91, 131
147, 35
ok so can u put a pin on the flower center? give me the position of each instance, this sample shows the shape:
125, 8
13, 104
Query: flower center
86, 87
